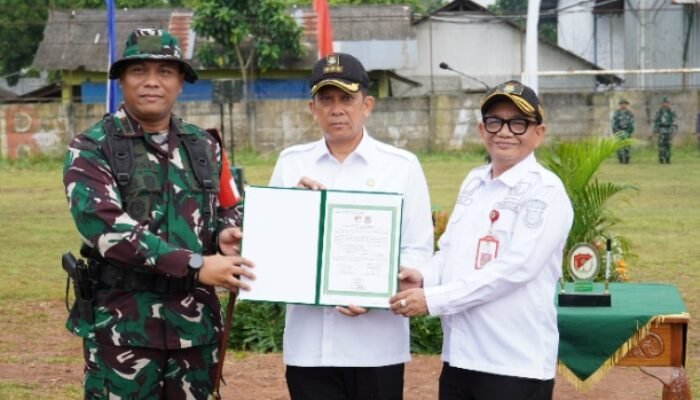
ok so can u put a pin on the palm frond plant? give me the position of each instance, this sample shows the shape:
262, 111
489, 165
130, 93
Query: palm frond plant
576, 164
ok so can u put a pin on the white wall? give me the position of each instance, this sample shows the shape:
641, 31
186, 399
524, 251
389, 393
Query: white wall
485, 48
575, 29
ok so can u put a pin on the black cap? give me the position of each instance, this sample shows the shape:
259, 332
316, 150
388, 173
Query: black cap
522, 96
340, 70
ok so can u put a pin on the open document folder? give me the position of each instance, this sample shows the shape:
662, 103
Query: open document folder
323, 247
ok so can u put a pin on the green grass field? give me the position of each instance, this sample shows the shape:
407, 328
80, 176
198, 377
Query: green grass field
661, 220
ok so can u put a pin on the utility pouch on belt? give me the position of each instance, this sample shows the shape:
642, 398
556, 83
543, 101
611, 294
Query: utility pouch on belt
83, 287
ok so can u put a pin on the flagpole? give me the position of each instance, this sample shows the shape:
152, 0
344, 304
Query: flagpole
111, 100
324, 31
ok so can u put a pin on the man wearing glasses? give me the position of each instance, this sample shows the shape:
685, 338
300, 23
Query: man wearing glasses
494, 278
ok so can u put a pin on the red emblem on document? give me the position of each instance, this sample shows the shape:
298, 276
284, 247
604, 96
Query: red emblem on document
487, 248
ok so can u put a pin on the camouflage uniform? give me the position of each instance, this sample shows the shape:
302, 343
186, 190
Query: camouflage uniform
140, 338
623, 127
664, 126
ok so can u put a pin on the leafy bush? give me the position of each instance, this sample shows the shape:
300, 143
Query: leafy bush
256, 327
426, 335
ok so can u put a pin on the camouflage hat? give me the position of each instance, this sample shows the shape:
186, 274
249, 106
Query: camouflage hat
522, 96
623, 101
151, 44
665, 100
340, 70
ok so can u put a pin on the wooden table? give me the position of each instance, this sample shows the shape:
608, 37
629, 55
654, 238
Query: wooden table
661, 354
646, 326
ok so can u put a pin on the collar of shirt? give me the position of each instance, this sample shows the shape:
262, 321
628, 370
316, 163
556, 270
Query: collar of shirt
514, 174
364, 151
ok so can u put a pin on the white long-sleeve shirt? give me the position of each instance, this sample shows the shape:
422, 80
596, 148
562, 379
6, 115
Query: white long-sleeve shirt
501, 319
321, 336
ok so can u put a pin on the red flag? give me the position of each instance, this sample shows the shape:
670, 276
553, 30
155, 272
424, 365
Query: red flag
228, 195
324, 32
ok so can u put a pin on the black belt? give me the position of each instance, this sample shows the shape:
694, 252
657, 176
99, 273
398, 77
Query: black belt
126, 278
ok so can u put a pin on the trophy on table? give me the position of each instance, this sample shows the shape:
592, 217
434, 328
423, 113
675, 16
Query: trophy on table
583, 262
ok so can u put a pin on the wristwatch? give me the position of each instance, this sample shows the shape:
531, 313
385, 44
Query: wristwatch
196, 262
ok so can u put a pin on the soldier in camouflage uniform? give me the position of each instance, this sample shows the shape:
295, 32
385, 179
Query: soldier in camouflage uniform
665, 126
623, 127
151, 235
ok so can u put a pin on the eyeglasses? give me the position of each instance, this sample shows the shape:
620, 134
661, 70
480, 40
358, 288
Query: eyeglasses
517, 126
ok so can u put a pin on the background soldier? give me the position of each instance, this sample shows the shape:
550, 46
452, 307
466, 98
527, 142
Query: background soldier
149, 216
623, 127
665, 126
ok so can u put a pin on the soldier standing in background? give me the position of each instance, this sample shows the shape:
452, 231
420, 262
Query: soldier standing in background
665, 126
151, 197
622, 128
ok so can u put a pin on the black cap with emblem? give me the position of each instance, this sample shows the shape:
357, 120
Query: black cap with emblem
340, 70
522, 96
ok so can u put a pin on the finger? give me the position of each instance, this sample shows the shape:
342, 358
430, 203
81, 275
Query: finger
306, 183
234, 284
357, 310
244, 272
345, 311
242, 261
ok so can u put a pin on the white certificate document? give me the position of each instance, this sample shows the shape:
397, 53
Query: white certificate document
322, 247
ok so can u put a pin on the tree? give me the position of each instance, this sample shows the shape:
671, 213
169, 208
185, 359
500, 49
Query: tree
21, 30
246, 34
22, 27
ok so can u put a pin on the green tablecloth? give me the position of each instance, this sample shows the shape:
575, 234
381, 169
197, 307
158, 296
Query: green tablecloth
593, 339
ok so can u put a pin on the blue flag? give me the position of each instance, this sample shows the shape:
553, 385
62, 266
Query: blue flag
111, 56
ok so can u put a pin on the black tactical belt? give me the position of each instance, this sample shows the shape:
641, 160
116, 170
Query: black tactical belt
126, 278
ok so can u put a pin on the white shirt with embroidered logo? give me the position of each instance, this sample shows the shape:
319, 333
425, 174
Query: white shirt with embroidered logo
321, 336
501, 319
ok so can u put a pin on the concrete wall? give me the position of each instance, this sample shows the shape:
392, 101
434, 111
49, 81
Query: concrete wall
428, 123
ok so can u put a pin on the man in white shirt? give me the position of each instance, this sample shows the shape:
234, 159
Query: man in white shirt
494, 278
350, 352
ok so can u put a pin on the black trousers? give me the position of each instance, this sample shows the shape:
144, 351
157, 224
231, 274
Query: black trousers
463, 384
345, 383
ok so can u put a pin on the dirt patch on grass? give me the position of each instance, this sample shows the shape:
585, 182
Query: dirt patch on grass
38, 352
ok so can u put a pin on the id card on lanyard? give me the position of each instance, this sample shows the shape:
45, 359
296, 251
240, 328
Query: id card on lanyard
487, 247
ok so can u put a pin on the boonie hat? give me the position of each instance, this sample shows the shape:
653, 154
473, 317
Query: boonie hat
522, 96
340, 70
151, 44
623, 101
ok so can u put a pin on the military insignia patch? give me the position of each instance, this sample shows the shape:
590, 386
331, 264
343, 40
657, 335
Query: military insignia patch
332, 65
533, 213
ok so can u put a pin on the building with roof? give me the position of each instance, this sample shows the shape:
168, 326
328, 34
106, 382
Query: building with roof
634, 35
488, 49
75, 43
